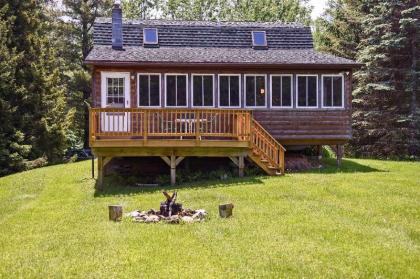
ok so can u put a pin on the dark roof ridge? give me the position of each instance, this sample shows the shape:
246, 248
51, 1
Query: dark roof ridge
265, 24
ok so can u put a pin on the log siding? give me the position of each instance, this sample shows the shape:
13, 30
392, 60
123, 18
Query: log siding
289, 125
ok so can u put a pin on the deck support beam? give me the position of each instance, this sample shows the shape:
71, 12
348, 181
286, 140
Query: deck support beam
172, 161
99, 182
241, 166
240, 163
339, 152
102, 162
319, 152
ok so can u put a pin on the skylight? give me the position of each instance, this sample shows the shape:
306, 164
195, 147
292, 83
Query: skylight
150, 36
259, 39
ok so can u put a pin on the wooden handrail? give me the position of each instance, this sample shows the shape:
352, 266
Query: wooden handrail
268, 147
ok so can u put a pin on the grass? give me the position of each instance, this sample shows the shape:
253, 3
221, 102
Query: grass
360, 221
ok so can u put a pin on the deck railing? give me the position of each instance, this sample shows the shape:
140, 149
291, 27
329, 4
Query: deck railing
169, 123
183, 124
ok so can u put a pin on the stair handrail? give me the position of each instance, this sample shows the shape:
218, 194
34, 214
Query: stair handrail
279, 149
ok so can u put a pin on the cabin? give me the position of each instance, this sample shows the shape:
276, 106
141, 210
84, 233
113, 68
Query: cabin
243, 90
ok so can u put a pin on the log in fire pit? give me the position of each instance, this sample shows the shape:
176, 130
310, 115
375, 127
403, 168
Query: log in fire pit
170, 212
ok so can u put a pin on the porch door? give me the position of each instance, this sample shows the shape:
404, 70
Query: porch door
115, 93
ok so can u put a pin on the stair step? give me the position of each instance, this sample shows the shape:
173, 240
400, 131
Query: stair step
273, 168
264, 161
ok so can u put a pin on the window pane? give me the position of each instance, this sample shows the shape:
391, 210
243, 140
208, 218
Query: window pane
260, 91
170, 91
208, 90
150, 35
312, 91
115, 92
259, 38
327, 82
197, 90
250, 90
224, 91
181, 90
286, 85
275, 90
301, 91
154, 90
338, 91
144, 90
234, 91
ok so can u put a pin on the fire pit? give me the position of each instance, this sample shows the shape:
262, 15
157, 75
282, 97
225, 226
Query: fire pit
170, 212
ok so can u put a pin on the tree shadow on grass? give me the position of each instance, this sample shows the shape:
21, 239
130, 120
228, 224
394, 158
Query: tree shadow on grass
113, 188
347, 166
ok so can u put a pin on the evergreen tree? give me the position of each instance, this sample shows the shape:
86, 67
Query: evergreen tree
386, 107
12, 147
32, 94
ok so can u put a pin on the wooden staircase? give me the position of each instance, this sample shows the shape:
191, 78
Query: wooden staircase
266, 151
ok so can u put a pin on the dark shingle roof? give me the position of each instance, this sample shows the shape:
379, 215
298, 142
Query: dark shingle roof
213, 55
206, 33
195, 42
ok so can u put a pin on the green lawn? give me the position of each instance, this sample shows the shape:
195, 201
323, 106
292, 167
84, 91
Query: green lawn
360, 221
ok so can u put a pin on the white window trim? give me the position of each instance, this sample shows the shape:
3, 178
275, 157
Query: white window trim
291, 90
138, 89
126, 76
186, 89
218, 90
265, 38
297, 93
266, 91
144, 36
192, 90
342, 90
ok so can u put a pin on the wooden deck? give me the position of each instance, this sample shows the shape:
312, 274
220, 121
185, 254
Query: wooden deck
174, 134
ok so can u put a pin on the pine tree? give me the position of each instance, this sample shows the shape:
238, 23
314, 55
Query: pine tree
33, 107
385, 101
12, 148
409, 24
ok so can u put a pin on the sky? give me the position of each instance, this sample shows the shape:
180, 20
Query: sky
319, 7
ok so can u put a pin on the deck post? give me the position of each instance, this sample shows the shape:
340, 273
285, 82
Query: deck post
339, 152
241, 165
319, 151
173, 170
100, 173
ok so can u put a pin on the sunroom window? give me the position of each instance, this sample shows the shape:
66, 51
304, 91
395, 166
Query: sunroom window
229, 90
149, 90
307, 88
150, 36
255, 90
202, 88
176, 90
281, 90
332, 91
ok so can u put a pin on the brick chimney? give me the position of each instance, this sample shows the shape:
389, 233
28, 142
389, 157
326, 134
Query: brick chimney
117, 35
